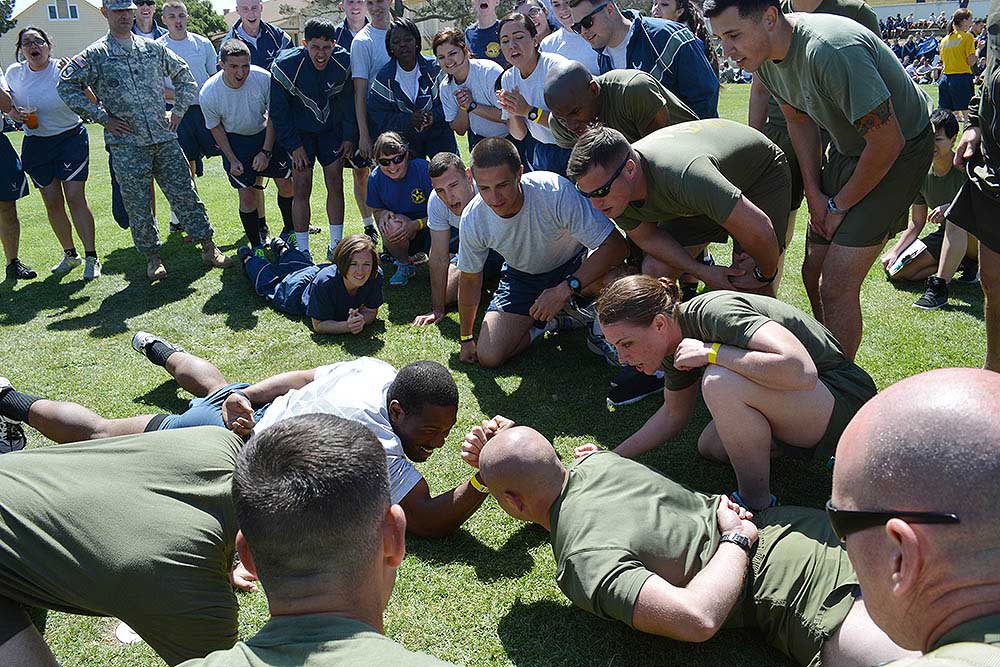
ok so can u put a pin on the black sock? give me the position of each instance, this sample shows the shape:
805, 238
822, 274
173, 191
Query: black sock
285, 206
264, 232
158, 352
90, 253
15, 405
251, 226
71, 252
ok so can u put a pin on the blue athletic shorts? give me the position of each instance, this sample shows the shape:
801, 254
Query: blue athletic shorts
65, 156
324, 147
13, 182
355, 161
518, 291
203, 411
955, 91
246, 148
195, 139
550, 157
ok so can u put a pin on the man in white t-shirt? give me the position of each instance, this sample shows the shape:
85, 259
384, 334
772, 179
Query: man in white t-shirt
368, 56
411, 412
543, 228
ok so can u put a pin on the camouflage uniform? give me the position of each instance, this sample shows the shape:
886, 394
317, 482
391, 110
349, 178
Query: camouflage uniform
128, 81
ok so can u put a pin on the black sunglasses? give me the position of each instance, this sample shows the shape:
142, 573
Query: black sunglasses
151, 3
845, 522
587, 22
386, 161
606, 188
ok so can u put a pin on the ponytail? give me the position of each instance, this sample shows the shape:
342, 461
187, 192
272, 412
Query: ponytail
691, 14
637, 299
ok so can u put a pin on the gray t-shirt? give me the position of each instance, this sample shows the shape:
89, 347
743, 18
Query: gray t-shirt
555, 223
38, 90
198, 53
368, 54
481, 82
568, 44
439, 216
241, 110
533, 91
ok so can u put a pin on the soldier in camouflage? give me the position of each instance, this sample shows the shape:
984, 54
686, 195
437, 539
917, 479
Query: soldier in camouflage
126, 73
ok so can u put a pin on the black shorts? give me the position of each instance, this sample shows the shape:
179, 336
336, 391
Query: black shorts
65, 156
977, 213
246, 148
195, 139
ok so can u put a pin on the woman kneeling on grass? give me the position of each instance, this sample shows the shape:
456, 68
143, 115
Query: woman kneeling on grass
773, 378
343, 297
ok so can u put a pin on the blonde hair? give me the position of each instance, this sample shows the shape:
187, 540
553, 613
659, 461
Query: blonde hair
637, 299
173, 3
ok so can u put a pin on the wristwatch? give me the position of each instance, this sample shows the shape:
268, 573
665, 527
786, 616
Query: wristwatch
759, 276
739, 539
831, 207
535, 113
574, 284
477, 485
473, 105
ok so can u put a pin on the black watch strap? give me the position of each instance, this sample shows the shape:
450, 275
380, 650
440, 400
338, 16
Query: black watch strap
761, 278
742, 541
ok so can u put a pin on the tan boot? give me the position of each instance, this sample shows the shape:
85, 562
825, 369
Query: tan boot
155, 269
210, 255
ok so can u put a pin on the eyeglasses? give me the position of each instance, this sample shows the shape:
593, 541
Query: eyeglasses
386, 161
845, 522
587, 22
33, 42
606, 188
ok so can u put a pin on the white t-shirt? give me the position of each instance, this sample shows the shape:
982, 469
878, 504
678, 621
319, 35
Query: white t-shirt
241, 110
409, 82
439, 216
368, 54
198, 53
533, 91
246, 36
38, 90
618, 54
481, 82
555, 223
568, 44
352, 390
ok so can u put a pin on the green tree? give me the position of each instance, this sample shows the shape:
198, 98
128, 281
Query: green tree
202, 18
6, 9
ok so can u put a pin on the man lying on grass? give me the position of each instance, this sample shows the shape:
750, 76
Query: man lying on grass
633, 546
411, 412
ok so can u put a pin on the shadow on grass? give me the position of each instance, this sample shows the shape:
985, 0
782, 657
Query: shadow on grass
167, 396
237, 300
546, 633
366, 344
510, 561
20, 306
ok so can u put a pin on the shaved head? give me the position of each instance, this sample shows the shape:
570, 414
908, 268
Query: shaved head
566, 83
523, 472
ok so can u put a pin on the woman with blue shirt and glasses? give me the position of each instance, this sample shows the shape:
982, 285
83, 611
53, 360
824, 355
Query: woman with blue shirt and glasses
404, 97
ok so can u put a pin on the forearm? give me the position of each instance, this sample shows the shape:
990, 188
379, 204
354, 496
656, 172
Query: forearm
6, 101
875, 161
442, 515
461, 123
608, 255
489, 113
662, 246
439, 279
907, 237
517, 127
361, 107
469, 286
658, 429
330, 326
222, 141
184, 95
804, 134
370, 314
265, 391
759, 96
768, 369
269, 136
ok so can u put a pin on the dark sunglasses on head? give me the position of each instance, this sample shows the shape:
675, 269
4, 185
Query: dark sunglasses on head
845, 522
587, 22
386, 161
606, 188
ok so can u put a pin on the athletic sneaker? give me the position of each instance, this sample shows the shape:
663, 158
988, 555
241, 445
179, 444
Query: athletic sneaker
689, 291
313, 229
18, 270
243, 253
968, 272
419, 258
935, 296
372, 233
631, 386
67, 264
599, 345
329, 253
403, 274
278, 246
12, 438
143, 339
288, 238
92, 268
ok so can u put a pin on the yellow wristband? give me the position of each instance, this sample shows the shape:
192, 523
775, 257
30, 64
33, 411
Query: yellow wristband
421, 224
465, 339
477, 485
714, 352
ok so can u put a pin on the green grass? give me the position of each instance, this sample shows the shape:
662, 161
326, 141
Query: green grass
487, 595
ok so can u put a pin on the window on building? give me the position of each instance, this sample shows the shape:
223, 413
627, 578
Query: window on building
62, 10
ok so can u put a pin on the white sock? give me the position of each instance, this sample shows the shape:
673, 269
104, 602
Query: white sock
336, 233
369, 221
303, 240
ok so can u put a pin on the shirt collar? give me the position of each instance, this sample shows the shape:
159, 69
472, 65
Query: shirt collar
985, 630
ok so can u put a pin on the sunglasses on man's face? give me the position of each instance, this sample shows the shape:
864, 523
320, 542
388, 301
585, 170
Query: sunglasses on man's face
606, 188
587, 22
846, 522
386, 161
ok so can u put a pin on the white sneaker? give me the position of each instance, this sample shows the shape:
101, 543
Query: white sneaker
66, 264
92, 269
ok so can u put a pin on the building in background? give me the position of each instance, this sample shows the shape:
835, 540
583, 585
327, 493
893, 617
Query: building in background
72, 25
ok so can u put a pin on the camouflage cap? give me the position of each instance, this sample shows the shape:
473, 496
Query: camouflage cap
118, 4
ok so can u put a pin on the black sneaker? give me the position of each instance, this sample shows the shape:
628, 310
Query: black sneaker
631, 386
17, 270
968, 272
689, 291
372, 233
12, 437
935, 296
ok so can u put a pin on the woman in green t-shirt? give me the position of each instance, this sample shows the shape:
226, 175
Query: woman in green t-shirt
774, 379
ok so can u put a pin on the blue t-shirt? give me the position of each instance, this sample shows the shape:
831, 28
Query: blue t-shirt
485, 43
326, 298
407, 197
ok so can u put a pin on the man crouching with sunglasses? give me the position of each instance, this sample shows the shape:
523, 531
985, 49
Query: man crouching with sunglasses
682, 187
915, 497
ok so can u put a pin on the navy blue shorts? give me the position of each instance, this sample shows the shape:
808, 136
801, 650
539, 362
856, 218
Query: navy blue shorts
955, 91
13, 182
550, 157
64, 156
324, 147
203, 411
195, 139
429, 143
518, 290
246, 148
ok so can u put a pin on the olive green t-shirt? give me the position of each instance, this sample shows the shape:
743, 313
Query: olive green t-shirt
938, 190
316, 640
856, 10
732, 318
701, 168
837, 71
974, 643
617, 522
630, 100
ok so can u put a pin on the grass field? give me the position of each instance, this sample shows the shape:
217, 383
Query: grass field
486, 596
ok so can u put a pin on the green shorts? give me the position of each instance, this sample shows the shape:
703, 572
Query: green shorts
770, 193
883, 211
140, 527
778, 134
801, 585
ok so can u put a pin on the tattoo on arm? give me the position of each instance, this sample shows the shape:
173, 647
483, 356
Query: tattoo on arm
875, 118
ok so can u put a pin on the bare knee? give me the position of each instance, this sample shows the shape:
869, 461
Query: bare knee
710, 445
490, 356
989, 276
